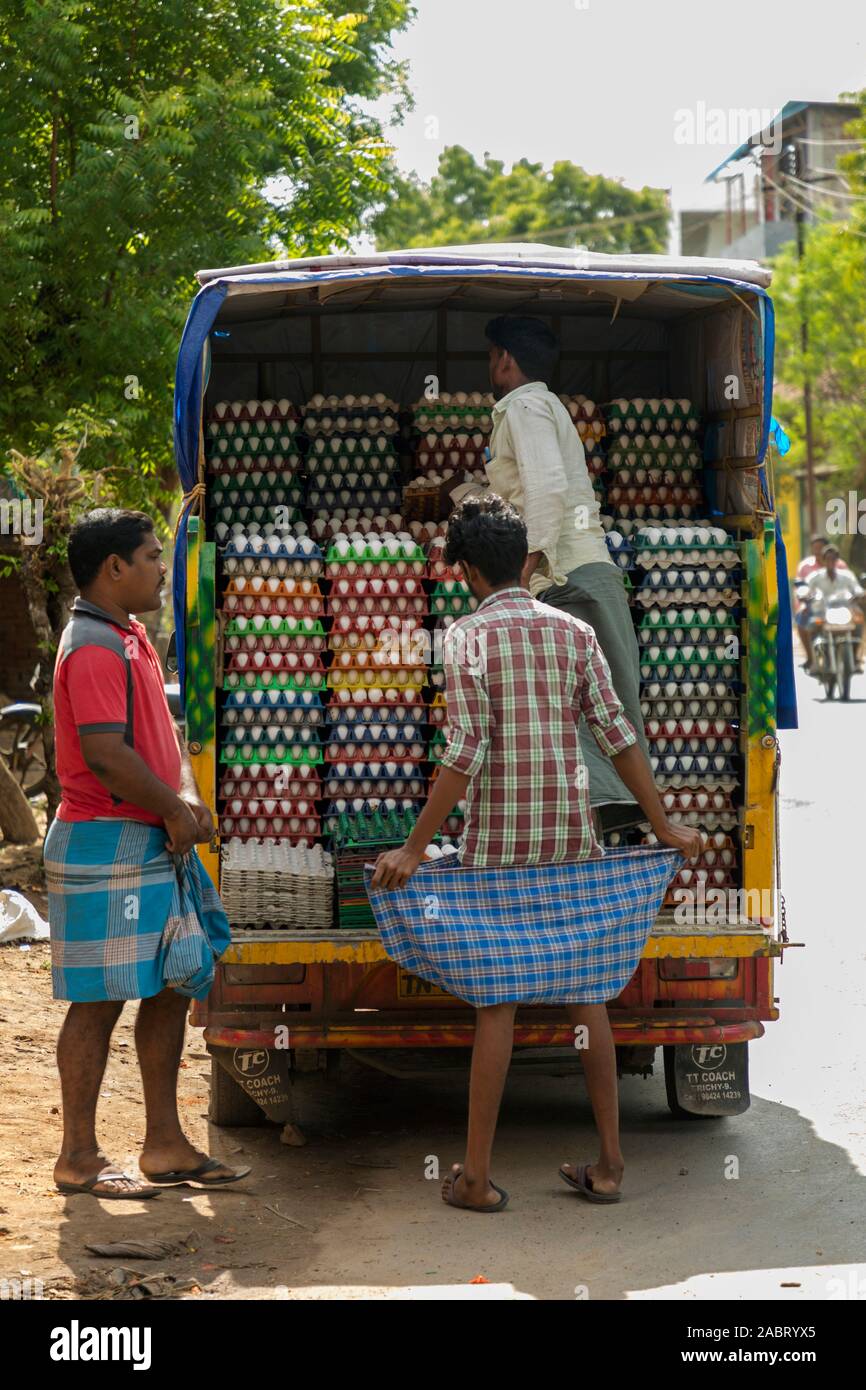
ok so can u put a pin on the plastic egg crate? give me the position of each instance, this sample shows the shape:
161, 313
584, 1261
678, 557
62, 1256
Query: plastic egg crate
325, 528
365, 596
362, 414
697, 801
266, 742
257, 596
359, 675
354, 472
683, 635
694, 586
268, 780
437, 710
377, 819
358, 743
241, 491
638, 475
264, 567
370, 631
659, 495
692, 736
374, 497
406, 708
653, 414
229, 412
702, 621
438, 571
273, 630
687, 663
451, 410
378, 777
451, 597
666, 547
338, 453
674, 452
261, 677
389, 550
619, 549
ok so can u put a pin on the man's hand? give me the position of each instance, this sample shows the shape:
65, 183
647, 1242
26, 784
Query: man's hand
203, 817
682, 837
183, 829
395, 867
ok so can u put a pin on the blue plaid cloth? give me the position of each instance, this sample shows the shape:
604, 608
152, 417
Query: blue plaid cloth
127, 918
537, 934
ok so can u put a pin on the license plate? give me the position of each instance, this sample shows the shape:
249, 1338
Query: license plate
410, 987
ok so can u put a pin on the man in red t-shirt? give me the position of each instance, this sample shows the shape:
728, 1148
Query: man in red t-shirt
128, 796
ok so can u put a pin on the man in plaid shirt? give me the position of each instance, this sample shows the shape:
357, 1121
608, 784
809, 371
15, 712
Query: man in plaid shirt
518, 676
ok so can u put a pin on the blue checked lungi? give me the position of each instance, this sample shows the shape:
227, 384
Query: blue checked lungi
127, 918
538, 934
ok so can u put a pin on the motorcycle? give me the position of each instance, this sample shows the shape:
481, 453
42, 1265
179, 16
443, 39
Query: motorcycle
837, 627
21, 743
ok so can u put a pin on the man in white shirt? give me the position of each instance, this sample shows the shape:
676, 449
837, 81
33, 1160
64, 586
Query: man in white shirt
537, 464
835, 584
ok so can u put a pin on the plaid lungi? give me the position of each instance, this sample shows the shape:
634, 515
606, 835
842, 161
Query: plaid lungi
539, 934
127, 918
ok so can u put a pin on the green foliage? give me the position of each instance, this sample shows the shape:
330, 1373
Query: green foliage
467, 201
829, 287
139, 143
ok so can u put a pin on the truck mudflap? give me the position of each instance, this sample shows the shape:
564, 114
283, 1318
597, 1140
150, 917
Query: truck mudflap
709, 1078
702, 1031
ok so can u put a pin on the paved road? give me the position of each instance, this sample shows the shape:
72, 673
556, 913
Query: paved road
796, 1214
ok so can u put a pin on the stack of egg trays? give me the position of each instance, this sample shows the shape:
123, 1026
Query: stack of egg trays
358, 838
268, 898
350, 416
352, 472
590, 424
651, 416
247, 436
274, 680
691, 686
453, 432
376, 735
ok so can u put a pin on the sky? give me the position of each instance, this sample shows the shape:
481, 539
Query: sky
605, 83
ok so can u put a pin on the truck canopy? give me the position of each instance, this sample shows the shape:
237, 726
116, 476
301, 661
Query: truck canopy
628, 325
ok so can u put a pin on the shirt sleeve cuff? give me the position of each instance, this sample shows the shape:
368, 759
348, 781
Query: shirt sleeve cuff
463, 753
614, 738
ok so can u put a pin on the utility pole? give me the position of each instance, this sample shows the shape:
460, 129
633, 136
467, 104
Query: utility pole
791, 161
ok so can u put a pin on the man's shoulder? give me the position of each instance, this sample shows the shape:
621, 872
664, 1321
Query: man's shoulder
555, 617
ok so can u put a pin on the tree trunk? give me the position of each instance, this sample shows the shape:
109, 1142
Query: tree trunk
17, 820
47, 625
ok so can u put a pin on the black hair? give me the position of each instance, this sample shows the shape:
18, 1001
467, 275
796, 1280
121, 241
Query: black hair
98, 534
531, 342
487, 532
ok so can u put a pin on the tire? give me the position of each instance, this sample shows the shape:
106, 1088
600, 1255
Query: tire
846, 671
671, 1090
230, 1106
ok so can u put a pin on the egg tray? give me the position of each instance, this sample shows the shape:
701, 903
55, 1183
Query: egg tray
340, 605
281, 805
258, 547
681, 800
376, 498
687, 690
688, 670
286, 491
269, 736
438, 572
257, 897
359, 731
667, 599
273, 680
678, 580
659, 494
364, 786
358, 751
247, 567
233, 721
640, 476
649, 512
344, 428
450, 418
645, 422
264, 643
414, 712
275, 625
688, 556
372, 824
276, 659
333, 452
719, 621
707, 707
238, 472
272, 779
250, 451
665, 460
292, 828
383, 678
686, 635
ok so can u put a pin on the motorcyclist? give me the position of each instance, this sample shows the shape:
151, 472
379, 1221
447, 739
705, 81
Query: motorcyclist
834, 584
809, 565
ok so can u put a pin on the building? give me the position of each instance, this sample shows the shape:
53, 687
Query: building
790, 167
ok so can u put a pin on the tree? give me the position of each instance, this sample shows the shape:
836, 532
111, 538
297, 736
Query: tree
467, 201
140, 142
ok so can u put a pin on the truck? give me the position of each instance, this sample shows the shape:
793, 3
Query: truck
679, 352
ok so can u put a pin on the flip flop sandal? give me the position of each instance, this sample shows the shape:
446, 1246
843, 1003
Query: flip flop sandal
468, 1206
72, 1189
210, 1165
583, 1184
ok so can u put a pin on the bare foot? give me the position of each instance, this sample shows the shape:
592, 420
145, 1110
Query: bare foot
78, 1168
178, 1157
606, 1178
470, 1194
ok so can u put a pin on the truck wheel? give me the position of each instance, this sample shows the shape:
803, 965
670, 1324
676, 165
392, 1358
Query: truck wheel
229, 1105
734, 1057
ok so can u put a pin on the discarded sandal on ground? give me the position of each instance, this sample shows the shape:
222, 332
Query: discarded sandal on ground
210, 1165
583, 1184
